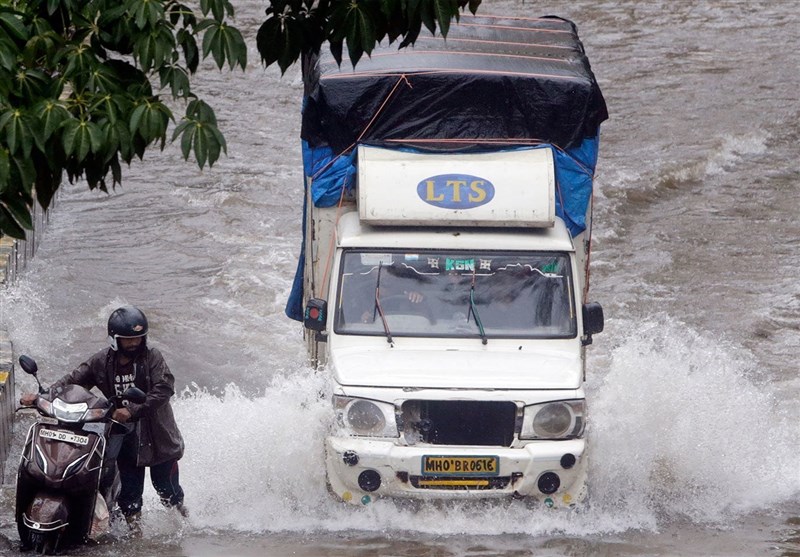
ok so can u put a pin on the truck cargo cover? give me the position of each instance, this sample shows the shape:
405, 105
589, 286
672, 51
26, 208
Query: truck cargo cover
495, 84
493, 78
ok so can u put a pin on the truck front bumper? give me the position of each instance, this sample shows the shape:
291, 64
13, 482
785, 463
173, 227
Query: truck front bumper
361, 470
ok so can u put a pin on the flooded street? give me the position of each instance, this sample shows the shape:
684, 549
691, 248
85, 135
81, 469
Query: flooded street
693, 387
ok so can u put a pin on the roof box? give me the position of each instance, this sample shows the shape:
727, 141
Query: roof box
499, 189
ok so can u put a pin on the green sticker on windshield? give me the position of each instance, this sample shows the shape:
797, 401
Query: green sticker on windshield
459, 264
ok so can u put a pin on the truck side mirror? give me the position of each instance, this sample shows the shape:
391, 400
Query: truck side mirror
315, 315
592, 319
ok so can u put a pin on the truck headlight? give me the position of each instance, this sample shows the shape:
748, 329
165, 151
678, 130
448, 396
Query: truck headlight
563, 419
365, 418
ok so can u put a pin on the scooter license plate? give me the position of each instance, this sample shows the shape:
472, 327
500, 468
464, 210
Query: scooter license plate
65, 436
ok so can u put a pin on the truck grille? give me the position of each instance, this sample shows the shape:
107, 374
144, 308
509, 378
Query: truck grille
456, 422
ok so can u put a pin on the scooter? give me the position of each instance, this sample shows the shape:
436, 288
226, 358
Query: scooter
67, 480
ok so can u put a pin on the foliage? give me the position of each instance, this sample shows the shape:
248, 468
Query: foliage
81, 81
295, 27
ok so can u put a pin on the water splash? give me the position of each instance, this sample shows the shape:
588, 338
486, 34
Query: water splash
680, 430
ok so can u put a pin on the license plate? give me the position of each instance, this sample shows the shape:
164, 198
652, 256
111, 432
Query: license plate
460, 465
65, 436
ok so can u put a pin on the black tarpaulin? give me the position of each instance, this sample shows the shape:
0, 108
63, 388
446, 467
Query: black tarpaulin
493, 79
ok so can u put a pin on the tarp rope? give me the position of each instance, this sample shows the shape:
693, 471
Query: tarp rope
329, 261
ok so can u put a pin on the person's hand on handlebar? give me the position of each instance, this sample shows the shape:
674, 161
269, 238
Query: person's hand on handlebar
28, 399
121, 415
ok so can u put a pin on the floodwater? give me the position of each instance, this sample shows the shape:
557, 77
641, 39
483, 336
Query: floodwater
693, 387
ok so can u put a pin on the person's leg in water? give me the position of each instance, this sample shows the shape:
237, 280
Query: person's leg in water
132, 479
166, 481
109, 471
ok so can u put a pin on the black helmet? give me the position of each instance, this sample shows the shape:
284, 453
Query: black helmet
126, 322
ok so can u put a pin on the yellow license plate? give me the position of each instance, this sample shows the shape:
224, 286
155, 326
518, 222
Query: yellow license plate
460, 465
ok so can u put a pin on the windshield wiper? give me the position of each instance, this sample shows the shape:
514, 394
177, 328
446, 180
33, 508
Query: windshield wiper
474, 309
380, 309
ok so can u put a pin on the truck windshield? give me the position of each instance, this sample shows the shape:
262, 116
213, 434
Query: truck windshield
512, 294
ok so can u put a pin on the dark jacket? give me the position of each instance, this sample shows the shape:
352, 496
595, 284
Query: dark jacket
159, 437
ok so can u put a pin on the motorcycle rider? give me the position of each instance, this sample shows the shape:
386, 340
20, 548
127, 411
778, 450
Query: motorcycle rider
154, 440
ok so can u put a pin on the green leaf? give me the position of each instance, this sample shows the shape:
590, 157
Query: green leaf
200, 145
219, 140
47, 182
360, 32
36, 131
156, 123
280, 41
19, 210
199, 133
176, 77
145, 52
32, 83
136, 118
216, 7
69, 135
116, 171
9, 226
96, 137
120, 133
336, 51
235, 48
8, 54
103, 79
5, 169
212, 43
200, 111
268, 40
18, 136
444, 10
6, 117
190, 53
82, 141
25, 172
187, 129
428, 17
51, 114
139, 10
13, 25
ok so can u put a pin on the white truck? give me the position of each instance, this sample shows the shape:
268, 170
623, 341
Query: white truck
445, 265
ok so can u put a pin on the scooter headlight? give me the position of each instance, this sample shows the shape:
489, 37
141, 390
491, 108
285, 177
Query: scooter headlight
563, 419
365, 418
69, 412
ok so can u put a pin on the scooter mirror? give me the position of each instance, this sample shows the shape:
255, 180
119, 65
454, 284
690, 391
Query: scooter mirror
135, 395
28, 365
